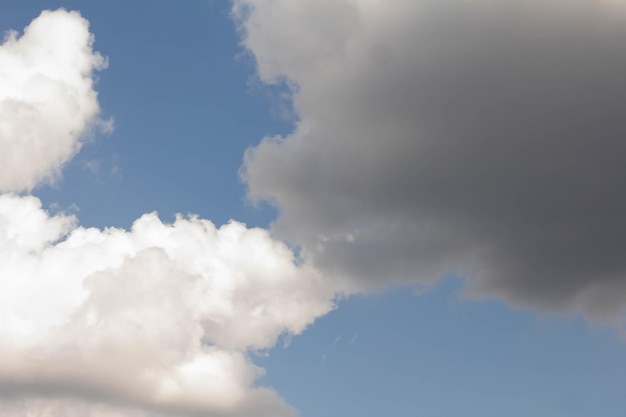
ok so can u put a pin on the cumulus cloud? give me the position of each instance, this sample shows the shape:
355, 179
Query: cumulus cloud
160, 320
47, 100
159, 317
483, 138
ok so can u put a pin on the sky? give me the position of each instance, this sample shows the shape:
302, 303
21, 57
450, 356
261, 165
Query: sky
316, 208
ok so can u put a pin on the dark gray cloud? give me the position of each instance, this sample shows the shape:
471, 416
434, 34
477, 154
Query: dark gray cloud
477, 137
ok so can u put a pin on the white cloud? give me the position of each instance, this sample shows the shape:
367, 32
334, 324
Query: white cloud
156, 321
158, 317
47, 100
64, 408
450, 136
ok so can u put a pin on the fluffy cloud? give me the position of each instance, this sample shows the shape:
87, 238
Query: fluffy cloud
159, 317
482, 137
47, 98
159, 320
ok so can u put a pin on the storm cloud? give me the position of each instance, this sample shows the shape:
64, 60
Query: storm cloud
479, 138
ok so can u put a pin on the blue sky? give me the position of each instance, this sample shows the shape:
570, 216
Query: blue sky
168, 79
187, 101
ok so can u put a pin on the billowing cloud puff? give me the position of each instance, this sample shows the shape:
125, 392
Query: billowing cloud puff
484, 138
160, 317
158, 321
47, 100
